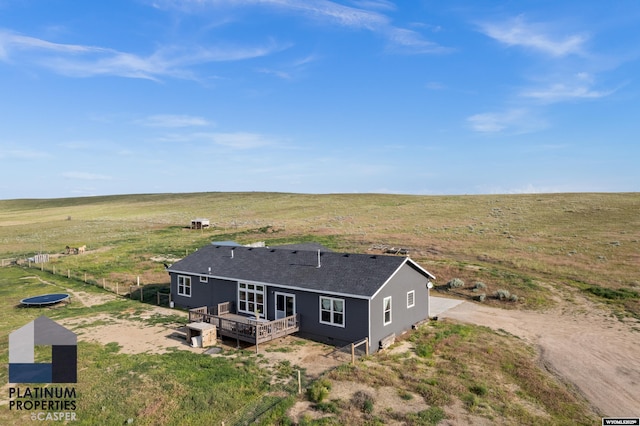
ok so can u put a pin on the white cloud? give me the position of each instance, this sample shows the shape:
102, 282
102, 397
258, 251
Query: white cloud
518, 32
22, 154
515, 121
172, 121
87, 61
375, 4
435, 85
367, 15
563, 92
577, 86
412, 42
85, 176
238, 140
10, 41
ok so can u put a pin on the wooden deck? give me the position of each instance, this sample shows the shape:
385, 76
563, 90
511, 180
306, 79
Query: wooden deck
245, 328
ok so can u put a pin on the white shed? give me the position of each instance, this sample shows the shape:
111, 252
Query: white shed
199, 223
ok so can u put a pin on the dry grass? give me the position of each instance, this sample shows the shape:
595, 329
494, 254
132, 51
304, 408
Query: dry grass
531, 245
526, 244
453, 364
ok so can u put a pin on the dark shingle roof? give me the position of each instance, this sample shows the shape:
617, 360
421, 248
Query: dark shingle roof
304, 246
353, 274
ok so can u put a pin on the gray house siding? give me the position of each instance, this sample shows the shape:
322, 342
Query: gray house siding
208, 293
402, 317
355, 319
199, 292
307, 305
357, 284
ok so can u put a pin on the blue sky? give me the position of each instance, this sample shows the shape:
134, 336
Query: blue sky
317, 96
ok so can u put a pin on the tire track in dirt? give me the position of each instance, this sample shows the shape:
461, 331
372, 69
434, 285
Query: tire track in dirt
588, 348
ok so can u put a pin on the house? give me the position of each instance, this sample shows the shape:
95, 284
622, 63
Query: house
337, 298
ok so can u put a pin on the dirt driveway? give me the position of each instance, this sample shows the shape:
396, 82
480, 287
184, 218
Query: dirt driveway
581, 342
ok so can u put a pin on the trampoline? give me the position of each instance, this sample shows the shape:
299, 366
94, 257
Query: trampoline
45, 299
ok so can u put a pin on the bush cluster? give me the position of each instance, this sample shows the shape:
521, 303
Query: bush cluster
455, 283
480, 297
363, 401
479, 285
503, 294
319, 390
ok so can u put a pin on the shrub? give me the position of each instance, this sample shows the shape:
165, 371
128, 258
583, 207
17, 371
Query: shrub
328, 407
403, 394
455, 283
430, 416
480, 297
513, 298
363, 401
612, 294
478, 389
479, 285
470, 400
502, 294
319, 390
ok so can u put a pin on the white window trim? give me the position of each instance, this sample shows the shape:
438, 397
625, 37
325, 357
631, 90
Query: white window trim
344, 308
384, 311
184, 279
255, 292
413, 299
204, 279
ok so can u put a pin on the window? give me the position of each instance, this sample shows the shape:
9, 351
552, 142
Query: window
204, 279
332, 311
386, 303
184, 286
411, 299
251, 299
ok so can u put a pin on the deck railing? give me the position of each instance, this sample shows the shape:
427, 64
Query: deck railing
246, 328
224, 308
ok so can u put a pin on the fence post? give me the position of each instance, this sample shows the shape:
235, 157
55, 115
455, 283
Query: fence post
353, 353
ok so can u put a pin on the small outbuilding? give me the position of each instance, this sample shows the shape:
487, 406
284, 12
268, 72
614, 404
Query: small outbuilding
199, 223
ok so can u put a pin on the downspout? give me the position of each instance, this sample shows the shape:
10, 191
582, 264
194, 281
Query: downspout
369, 326
429, 287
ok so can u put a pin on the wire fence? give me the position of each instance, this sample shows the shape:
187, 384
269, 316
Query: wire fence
128, 285
272, 406
353, 351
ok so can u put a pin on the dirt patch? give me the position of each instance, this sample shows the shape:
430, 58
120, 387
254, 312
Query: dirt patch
581, 342
385, 397
137, 336
315, 358
132, 336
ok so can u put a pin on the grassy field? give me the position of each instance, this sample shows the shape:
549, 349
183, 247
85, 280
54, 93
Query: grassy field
533, 246
529, 245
